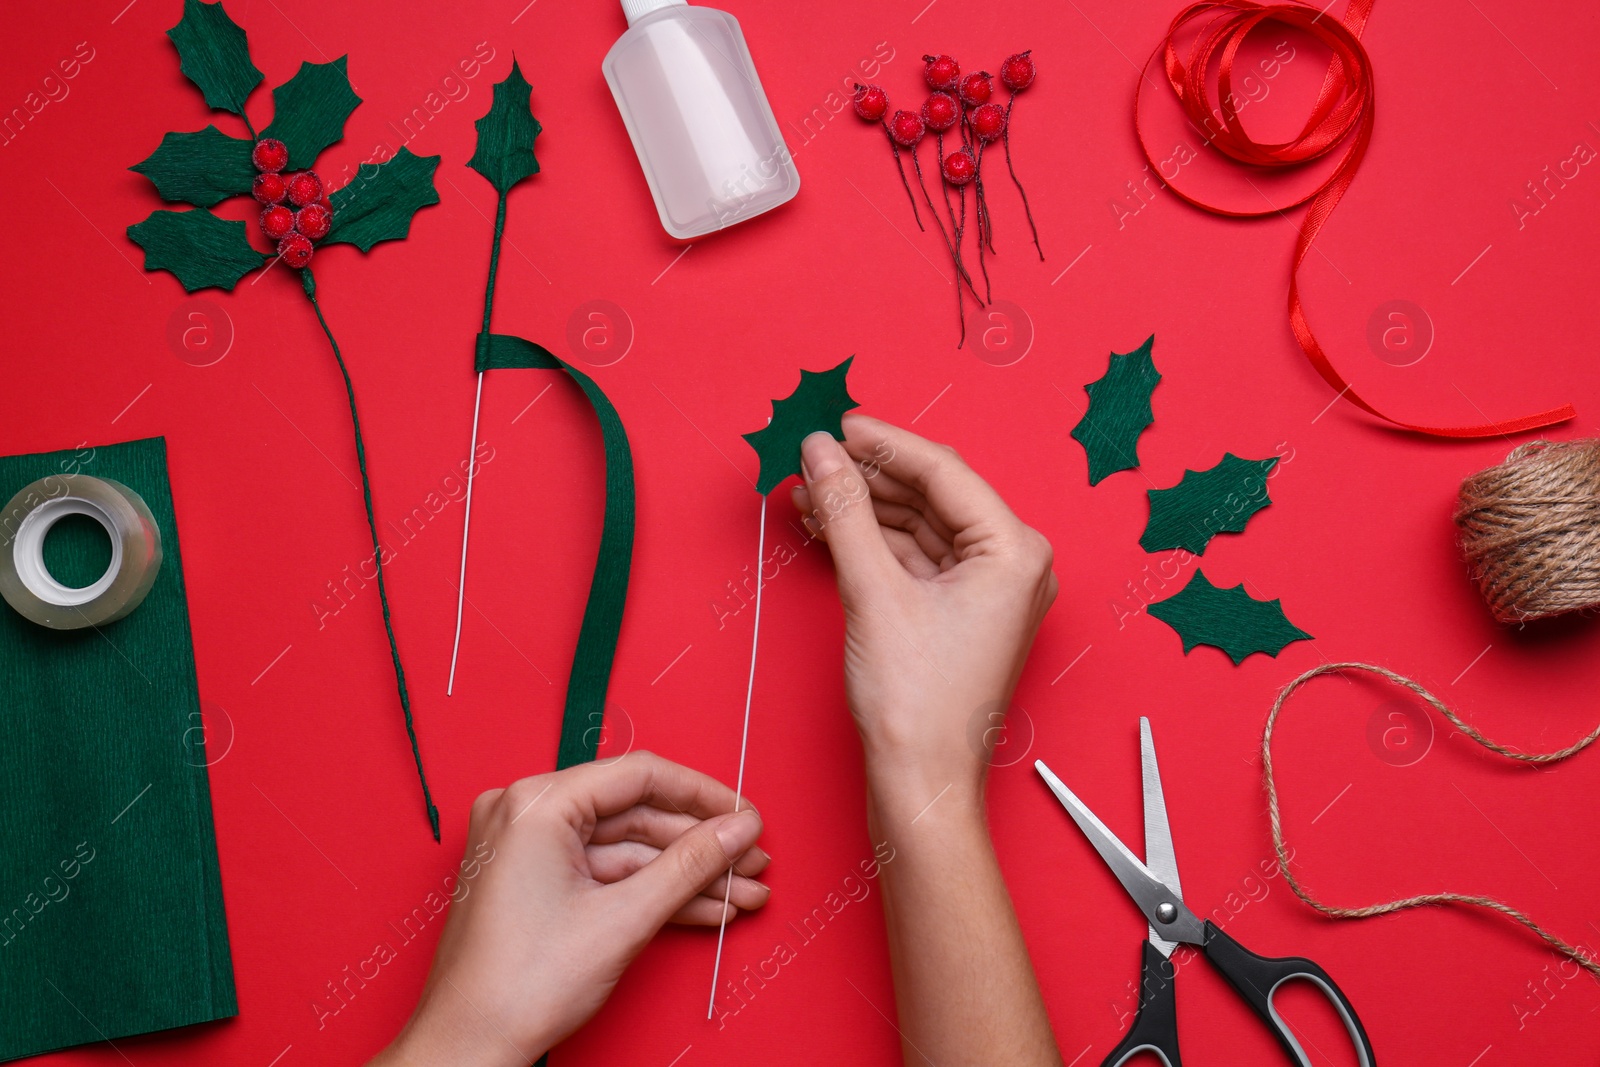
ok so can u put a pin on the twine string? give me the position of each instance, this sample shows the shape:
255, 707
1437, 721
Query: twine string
1573, 953
1530, 530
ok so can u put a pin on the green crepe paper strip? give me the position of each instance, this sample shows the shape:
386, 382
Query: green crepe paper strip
200, 168
200, 249
111, 908
214, 53
818, 403
1119, 411
1229, 619
1206, 503
506, 134
608, 592
310, 109
379, 207
309, 282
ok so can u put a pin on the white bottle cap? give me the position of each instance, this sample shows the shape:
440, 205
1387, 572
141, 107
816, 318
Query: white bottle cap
638, 9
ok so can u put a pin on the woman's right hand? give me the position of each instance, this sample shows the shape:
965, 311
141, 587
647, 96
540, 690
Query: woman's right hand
943, 590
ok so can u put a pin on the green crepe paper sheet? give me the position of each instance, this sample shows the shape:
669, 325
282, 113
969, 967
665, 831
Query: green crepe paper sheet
817, 404
1206, 503
1119, 411
111, 914
608, 591
1229, 619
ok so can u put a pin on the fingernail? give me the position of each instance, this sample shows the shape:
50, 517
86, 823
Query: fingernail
738, 832
821, 455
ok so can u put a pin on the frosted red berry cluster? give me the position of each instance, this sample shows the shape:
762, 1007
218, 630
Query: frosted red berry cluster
963, 107
295, 209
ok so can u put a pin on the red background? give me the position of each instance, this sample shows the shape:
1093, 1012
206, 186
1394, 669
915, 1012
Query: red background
320, 831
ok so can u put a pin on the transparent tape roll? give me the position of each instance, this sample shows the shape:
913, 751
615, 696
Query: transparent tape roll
30, 588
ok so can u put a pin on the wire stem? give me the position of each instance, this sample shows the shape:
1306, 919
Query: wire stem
310, 285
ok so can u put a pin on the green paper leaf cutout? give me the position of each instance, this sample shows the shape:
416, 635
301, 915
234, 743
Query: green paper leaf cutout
309, 110
1206, 503
378, 206
1229, 619
506, 134
214, 54
1119, 411
196, 246
200, 168
819, 403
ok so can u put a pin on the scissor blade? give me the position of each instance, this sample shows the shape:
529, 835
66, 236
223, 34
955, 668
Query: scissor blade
1147, 891
1159, 857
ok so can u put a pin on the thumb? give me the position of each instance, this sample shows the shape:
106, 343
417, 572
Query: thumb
699, 856
842, 514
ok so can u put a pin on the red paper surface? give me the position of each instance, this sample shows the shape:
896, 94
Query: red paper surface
324, 846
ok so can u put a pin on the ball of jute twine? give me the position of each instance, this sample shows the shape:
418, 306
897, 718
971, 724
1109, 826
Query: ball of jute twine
1530, 529
1577, 955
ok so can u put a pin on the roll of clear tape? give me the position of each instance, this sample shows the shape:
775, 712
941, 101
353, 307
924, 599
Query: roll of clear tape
30, 588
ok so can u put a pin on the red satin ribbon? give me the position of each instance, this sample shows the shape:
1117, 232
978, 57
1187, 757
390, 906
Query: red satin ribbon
1343, 113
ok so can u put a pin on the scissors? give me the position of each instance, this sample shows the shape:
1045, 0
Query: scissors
1154, 886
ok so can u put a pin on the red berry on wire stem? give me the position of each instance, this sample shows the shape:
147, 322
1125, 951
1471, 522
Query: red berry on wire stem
304, 187
871, 102
907, 128
904, 129
277, 222
1018, 71
976, 89
314, 221
960, 167
270, 155
295, 250
989, 122
268, 188
940, 112
942, 72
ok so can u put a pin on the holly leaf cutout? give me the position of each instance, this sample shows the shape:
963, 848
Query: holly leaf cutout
1206, 503
196, 246
310, 109
505, 135
200, 168
214, 53
1119, 411
819, 403
1229, 619
379, 207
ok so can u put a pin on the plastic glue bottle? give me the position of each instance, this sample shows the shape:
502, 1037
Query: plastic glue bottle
699, 120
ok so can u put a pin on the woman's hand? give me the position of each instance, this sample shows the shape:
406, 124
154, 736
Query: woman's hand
943, 590
567, 877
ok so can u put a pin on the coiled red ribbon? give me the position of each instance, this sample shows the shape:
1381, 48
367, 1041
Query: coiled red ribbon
1343, 114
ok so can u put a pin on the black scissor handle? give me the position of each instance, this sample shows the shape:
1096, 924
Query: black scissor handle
1155, 1027
1257, 978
